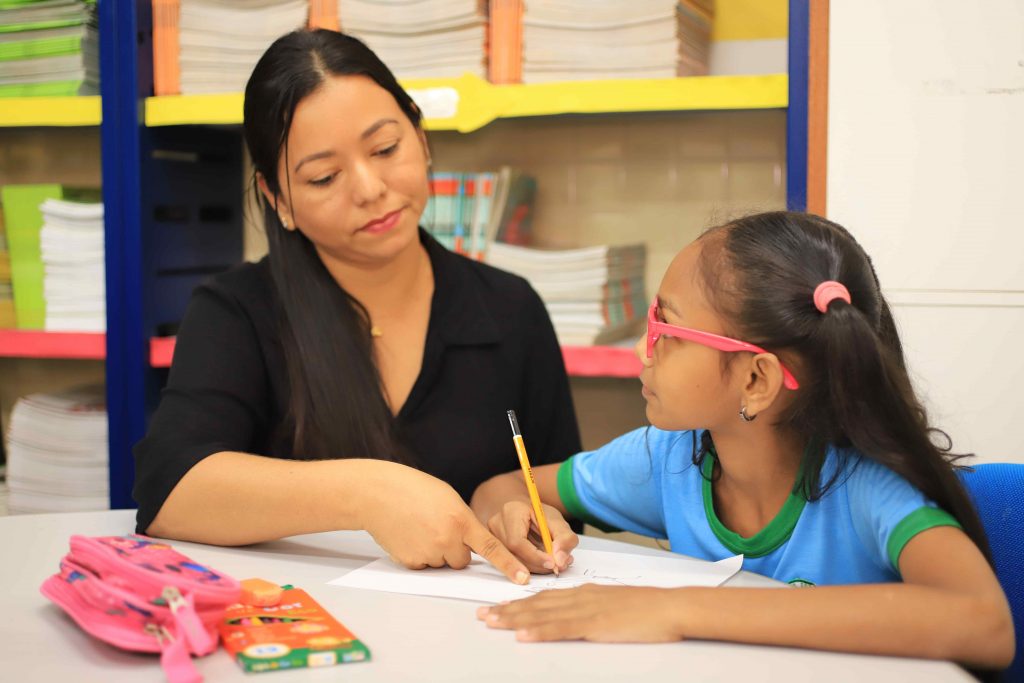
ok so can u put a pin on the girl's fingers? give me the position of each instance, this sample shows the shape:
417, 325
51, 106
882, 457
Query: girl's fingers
562, 629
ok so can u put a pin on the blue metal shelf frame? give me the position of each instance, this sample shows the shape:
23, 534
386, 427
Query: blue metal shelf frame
799, 43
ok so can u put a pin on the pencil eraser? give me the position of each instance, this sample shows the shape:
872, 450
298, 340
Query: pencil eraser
260, 593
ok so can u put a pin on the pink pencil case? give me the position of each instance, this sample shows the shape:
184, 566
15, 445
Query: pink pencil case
139, 594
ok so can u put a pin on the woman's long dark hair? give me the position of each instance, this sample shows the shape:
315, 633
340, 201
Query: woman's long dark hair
337, 408
760, 273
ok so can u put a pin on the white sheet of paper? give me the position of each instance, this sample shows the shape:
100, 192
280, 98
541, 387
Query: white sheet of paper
481, 582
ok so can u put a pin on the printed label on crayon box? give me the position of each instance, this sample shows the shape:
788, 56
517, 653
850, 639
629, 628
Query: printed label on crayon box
293, 634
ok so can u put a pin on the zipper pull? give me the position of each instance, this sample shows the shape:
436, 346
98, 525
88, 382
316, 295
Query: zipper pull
183, 611
174, 657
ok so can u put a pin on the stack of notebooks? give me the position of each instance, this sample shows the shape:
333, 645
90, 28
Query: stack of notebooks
71, 247
69, 267
211, 46
466, 212
48, 48
594, 295
57, 453
566, 40
421, 38
7, 317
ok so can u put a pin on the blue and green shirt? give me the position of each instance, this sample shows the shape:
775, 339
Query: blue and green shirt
645, 482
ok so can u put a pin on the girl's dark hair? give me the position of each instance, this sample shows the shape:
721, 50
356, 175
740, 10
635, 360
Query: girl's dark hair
338, 408
759, 273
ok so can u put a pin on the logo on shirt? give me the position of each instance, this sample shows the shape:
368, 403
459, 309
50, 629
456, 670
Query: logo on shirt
801, 583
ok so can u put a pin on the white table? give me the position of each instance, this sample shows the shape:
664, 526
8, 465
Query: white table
411, 638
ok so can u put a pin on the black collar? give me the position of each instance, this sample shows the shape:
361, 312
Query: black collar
458, 308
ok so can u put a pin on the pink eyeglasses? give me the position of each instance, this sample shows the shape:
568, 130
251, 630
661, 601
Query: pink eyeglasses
656, 328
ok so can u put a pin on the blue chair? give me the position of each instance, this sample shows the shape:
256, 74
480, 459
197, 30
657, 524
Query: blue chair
997, 491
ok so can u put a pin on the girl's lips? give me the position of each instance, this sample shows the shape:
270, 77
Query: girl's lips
647, 393
382, 224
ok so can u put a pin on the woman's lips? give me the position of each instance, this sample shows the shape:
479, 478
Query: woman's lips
382, 224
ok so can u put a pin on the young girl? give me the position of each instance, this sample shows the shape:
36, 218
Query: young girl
803, 447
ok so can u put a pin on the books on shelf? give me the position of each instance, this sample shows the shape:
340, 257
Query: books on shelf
466, 212
23, 221
7, 317
594, 295
421, 38
211, 46
57, 452
47, 47
74, 283
581, 40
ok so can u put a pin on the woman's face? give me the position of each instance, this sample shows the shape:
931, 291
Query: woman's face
353, 174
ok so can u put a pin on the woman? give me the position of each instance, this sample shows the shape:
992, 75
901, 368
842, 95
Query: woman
358, 377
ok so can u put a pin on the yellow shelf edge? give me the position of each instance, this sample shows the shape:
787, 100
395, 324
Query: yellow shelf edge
478, 102
50, 111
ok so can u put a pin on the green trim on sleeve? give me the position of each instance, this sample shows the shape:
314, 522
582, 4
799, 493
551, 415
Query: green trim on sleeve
571, 500
919, 520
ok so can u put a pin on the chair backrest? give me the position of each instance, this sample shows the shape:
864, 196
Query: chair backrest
998, 493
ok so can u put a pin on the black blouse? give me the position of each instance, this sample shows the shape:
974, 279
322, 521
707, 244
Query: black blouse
490, 347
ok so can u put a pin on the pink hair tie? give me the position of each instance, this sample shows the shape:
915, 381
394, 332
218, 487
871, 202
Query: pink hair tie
827, 292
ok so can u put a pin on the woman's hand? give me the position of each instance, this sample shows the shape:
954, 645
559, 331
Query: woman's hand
609, 614
515, 526
420, 521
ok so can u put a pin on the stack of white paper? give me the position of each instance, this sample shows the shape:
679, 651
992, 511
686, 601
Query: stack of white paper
421, 38
41, 47
71, 244
582, 39
594, 295
57, 452
220, 41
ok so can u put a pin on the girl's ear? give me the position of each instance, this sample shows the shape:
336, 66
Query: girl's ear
764, 381
276, 201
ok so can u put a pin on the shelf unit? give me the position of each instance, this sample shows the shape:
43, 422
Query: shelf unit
151, 149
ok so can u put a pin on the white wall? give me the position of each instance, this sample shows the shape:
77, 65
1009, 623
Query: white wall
926, 168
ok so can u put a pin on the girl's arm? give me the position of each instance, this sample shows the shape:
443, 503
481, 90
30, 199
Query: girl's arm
503, 504
949, 606
231, 498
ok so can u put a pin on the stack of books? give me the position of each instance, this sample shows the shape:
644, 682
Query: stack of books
57, 453
466, 212
565, 40
71, 246
7, 317
23, 221
594, 295
211, 46
42, 48
421, 38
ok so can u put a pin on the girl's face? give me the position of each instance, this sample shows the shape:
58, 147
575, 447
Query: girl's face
353, 175
683, 382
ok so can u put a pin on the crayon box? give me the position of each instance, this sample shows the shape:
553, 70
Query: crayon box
297, 632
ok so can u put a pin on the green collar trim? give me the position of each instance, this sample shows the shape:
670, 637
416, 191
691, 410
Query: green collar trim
767, 539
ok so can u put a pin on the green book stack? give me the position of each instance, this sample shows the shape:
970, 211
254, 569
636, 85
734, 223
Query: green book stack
7, 319
48, 48
23, 221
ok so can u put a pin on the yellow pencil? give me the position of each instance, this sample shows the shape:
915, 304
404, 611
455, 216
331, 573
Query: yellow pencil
531, 487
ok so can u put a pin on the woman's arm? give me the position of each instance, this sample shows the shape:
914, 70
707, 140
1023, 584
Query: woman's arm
950, 606
233, 498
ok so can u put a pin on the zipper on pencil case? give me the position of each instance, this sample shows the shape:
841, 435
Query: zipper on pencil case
100, 559
175, 659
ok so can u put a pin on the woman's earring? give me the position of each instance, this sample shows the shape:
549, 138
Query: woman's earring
284, 222
744, 416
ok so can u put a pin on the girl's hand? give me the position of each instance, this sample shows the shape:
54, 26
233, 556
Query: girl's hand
420, 521
609, 614
515, 526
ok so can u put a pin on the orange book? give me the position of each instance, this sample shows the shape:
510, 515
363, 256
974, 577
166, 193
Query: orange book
324, 14
293, 634
505, 40
166, 47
